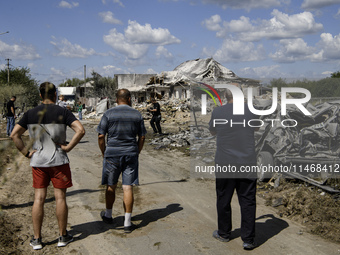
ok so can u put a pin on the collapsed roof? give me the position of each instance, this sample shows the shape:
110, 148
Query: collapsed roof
200, 70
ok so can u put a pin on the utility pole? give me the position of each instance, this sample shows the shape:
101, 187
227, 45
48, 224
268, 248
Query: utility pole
85, 83
7, 59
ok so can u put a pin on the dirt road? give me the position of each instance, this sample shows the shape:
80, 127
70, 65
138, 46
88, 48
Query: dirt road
175, 214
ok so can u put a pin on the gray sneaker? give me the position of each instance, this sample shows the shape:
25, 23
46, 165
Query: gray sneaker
220, 238
64, 240
249, 246
106, 219
36, 243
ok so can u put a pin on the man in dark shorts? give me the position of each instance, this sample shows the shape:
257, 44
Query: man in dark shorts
236, 148
156, 117
121, 124
47, 124
10, 115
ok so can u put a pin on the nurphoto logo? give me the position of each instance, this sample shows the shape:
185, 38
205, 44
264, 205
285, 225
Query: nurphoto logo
238, 100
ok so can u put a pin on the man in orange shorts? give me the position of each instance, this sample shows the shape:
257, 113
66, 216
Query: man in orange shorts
47, 124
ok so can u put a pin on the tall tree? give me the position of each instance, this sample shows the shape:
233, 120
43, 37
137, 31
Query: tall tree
336, 75
21, 83
74, 82
103, 86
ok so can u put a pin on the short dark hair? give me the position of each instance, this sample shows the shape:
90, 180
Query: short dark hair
14, 97
228, 94
47, 90
123, 95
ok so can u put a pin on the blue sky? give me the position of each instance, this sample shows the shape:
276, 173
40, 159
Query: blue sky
261, 39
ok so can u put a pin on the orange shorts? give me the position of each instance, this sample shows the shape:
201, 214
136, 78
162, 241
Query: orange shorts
59, 175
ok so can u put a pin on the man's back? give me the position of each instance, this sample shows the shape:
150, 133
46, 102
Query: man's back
47, 127
10, 104
235, 139
121, 124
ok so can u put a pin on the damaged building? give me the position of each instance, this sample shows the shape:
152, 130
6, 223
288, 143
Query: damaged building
179, 83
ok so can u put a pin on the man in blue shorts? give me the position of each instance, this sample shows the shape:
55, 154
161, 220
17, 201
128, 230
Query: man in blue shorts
122, 125
47, 124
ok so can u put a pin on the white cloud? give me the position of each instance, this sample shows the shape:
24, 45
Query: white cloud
161, 51
261, 72
57, 72
107, 17
316, 4
135, 41
114, 1
118, 42
245, 4
238, 51
327, 73
65, 4
329, 48
150, 71
67, 49
281, 26
109, 70
212, 23
140, 34
292, 50
19, 51
118, 2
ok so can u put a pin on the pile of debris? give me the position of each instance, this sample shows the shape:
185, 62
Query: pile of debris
181, 139
169, 108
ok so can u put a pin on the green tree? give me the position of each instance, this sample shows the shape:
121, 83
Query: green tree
74, 82
21, 84
335, 74
103, 86
278, 83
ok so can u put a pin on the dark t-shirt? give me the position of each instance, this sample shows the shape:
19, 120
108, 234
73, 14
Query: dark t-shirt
158, 108
9, 111
47, 127
235, 139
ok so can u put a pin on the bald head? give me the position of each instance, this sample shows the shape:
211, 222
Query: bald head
228, 95
123, 96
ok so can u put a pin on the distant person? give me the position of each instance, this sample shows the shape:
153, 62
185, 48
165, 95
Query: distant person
48, 156
11, 116
62, 101
121, 124
235, 148
80, 110
156, 117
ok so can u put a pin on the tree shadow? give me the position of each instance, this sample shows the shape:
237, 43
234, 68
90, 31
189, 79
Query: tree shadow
48, 200
264, 230
82, 231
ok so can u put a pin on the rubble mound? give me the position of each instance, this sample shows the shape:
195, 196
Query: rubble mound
306, 204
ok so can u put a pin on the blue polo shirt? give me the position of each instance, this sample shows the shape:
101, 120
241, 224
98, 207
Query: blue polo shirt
121, 125
235, 143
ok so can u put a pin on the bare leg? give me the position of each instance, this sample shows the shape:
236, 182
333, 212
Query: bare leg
61, 209
110, 196
38, 210
128, 198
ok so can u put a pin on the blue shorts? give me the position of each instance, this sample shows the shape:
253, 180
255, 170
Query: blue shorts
114, 166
